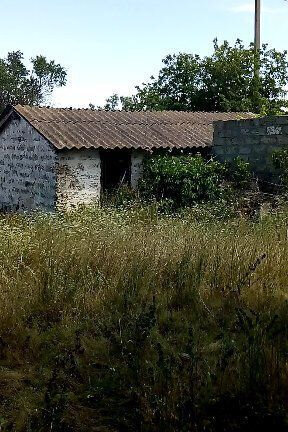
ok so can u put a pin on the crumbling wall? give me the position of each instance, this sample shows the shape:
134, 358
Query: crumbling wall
253, 140
27, 168
137, 157
78, 178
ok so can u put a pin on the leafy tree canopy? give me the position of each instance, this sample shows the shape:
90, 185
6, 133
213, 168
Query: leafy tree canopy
224, 81
20, 85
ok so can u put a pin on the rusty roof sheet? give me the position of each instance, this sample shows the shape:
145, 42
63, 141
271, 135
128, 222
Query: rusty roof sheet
83, 128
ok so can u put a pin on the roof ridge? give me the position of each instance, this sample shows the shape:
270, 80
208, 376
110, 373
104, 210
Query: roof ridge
78, 128
130, 112
140, 123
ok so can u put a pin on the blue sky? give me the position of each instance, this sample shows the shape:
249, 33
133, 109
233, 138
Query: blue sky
110, 46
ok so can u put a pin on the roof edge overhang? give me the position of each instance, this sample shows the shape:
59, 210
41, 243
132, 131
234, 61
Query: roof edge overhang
16, 110
6, 114
11, 110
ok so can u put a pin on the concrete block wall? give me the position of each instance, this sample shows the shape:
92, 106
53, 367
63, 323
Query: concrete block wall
254, 140
78, 178
27, 168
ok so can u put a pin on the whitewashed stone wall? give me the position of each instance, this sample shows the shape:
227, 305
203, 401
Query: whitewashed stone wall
137, 158
35, 176
27, 169
78, 178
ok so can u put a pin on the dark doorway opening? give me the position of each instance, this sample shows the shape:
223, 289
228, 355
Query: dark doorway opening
115, 169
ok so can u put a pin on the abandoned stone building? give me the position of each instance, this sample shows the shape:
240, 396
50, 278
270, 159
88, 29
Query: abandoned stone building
60, 158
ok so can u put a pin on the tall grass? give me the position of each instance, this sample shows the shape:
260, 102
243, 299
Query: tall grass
127, 321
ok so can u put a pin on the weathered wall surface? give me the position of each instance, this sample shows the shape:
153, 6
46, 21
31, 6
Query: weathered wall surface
253, 140
137, 157
78, 178
27, 169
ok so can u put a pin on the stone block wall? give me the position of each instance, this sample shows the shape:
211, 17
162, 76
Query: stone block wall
254, 140
78, 178
27, 168
137, 157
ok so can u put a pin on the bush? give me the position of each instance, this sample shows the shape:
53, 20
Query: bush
280, 161
186, 180
238, 173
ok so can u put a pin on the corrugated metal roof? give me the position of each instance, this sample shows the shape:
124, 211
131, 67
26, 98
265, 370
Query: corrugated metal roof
81, 128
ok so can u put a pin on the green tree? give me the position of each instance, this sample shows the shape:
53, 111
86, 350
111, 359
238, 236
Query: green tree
112, 103
20, 85
224, 81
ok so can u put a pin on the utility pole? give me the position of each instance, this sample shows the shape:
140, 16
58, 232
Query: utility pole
257, 47
257, 40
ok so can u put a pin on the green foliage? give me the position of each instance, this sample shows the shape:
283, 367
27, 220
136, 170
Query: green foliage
280, 161
224, 81
19, 85
238, 173
122, 196
180, 181
112, 103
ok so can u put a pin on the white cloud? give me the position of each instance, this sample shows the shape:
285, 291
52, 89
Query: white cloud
245, 7
78, 95
249, 7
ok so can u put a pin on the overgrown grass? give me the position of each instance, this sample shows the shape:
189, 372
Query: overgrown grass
127, 321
